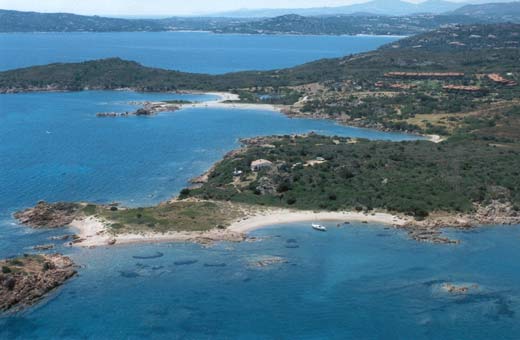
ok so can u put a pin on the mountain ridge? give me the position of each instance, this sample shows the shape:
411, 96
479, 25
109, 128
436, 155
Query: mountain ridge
375, 7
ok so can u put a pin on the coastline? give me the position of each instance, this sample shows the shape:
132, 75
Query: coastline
93, 232
286, 216
227, 100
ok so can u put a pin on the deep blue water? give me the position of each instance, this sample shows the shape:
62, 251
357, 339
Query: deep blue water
356, 282
185, 51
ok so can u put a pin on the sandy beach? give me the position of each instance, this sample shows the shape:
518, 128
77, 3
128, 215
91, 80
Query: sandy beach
285, 216
224, 97
93, 232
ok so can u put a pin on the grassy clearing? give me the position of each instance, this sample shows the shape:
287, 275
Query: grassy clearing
25, 264
168, 217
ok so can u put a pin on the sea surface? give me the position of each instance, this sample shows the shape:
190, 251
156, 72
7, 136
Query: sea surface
185, 51
354, 282
54, 148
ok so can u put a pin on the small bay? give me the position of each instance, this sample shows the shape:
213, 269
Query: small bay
360, 281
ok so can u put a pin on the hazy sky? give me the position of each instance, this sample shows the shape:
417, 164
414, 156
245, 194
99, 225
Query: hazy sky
162, 7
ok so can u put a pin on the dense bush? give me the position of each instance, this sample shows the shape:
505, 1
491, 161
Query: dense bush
411, 177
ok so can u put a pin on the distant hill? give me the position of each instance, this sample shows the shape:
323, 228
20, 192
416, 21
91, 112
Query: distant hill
474, 48
504, 11
359, 22
16, 21
379, 7
344, 24
471, 37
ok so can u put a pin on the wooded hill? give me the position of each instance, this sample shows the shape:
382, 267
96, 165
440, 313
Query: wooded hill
476, 48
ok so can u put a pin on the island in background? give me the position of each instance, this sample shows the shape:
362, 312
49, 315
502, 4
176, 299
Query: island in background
435, 83
372, 18
458, 82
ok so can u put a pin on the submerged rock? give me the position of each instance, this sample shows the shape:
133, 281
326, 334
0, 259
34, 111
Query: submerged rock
44, 247
185, 262
267, 261
129, 274
149, 257
431, 236
292, 246
215, 264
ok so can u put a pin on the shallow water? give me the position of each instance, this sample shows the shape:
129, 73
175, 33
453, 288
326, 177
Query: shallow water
354, 282
54, 148
186, 51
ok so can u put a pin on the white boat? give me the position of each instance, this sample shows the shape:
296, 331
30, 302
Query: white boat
318, 227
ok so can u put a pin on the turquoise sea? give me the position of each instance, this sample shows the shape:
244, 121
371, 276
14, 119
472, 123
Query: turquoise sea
354, 282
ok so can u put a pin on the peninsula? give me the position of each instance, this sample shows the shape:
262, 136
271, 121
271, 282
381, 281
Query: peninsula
418, 186
458, 82
432, 83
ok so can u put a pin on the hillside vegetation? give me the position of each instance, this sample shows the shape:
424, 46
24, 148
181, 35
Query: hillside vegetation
375, 17
461, 82
331, 173
355, 24
429, 83
16, 21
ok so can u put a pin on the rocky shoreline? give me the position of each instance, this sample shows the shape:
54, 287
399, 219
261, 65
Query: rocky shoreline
148, 109
430, 229
27, 279
49, 215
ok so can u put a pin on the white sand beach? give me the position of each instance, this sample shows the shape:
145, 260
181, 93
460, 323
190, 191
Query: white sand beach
93, 232
284, 216
224, 97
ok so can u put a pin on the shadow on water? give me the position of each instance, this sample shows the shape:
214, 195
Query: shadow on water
215, 265
128, 274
